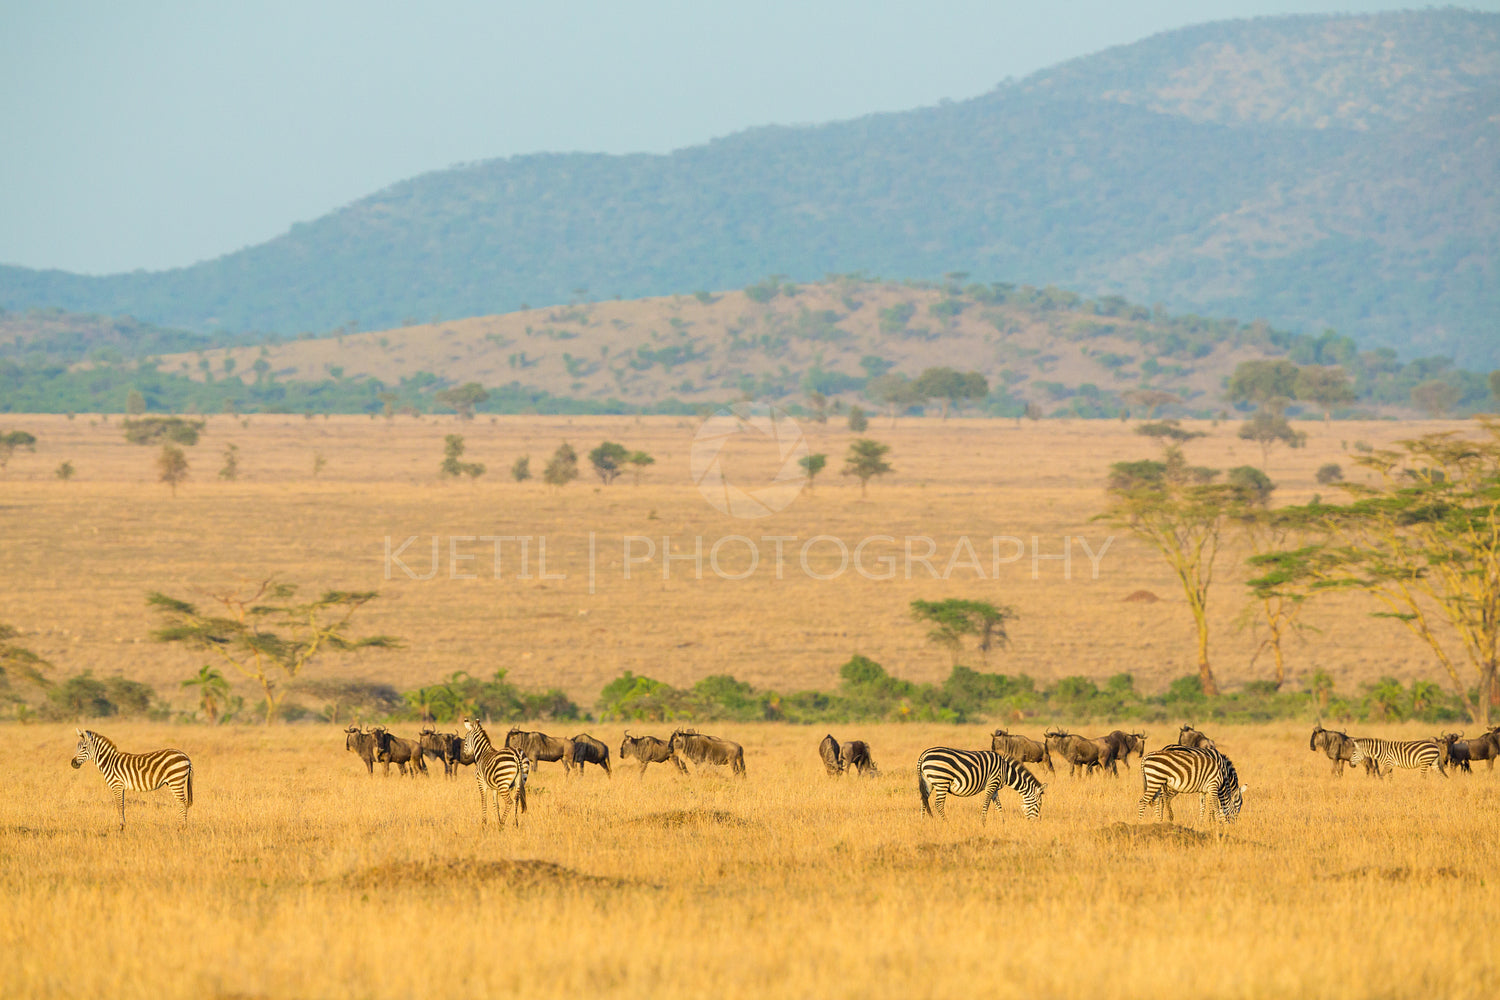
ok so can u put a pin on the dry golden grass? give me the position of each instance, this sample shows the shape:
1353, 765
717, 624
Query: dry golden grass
79, 557
297, 875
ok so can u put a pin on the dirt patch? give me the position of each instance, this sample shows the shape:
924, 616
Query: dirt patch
1398, 874
679, 818
1154, 833
519, 875
1140, 597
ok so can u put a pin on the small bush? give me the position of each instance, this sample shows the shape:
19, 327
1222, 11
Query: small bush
1330, 473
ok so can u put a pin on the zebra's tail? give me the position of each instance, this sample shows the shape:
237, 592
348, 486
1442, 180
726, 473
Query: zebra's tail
188, 790
922, 787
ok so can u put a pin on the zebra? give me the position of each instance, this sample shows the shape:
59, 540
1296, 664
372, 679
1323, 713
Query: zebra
1176, 769
1391, 754
501, 771
944, 770
141, 772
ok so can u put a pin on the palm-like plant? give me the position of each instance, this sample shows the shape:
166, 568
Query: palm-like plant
213, 691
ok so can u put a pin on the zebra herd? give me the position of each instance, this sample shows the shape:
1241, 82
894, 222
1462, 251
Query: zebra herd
1191, 765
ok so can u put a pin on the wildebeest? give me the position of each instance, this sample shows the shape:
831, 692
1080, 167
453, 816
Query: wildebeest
856, 754
1080, 752
1453, 750
362, 743
587, 750
828, 750
701, 750
1021, 749
1190, 737
446, 747
649, 750
539, 746
1486, 747
1338, 746
1122, 745
403, 753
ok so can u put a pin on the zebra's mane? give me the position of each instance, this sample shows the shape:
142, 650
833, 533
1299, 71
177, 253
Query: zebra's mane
1022, 780
477, 736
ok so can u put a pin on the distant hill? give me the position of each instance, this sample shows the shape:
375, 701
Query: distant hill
1314, 171
1046, 351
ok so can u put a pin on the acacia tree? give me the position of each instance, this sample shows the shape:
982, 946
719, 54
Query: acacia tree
453, 464
812, 465
172, 464
562, 467
13, 440
894, 391
1425, 543
1181, 512
951, 386
1289, 558
1325, 387
17, 663
866, 459
1266, 428
265, 634
639, 461
608, 460
462, 399
955, 618
1151, 399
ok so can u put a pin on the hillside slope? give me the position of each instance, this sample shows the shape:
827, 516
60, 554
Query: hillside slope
1316, 171
1046, 347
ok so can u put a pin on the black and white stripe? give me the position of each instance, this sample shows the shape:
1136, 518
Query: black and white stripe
1177, 770
1391, 754
499, 772
137, 772
944, 771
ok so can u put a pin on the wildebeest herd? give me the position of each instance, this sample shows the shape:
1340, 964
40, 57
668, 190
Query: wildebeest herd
1193, 763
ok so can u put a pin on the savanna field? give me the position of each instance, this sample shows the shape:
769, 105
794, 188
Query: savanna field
299, 875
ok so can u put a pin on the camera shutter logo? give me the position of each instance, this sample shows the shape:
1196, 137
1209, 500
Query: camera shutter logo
756, 499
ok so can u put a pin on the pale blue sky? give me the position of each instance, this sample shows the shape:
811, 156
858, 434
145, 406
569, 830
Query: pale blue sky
154, 135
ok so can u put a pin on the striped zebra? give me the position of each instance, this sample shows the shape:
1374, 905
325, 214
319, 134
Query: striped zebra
1175, 770
501, 772
942, 771
1391, 754
140, 772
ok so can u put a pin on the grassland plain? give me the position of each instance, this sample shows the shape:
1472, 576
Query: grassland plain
298, 875
80, 556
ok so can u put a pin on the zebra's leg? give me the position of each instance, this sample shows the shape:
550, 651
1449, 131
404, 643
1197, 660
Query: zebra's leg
939, 795
1165, 801
122, 807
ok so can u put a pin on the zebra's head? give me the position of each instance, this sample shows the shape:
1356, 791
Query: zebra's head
1031, 800
85, 749
473, 733
1233, 803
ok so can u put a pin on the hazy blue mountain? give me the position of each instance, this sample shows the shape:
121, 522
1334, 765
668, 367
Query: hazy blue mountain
1315, 171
